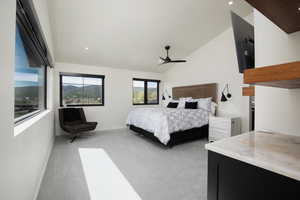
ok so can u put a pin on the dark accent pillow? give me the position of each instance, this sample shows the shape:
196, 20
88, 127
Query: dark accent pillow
172, 105
191, 105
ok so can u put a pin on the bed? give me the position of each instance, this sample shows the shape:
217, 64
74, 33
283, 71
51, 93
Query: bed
170, 126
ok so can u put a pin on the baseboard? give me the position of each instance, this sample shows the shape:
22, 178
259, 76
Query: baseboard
44, 169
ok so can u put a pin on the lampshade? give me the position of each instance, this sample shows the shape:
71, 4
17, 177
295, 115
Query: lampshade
166, 94
223, 98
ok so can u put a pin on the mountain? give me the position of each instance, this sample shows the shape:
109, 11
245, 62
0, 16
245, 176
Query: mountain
69, 91
138, 95
91, 91
27, 91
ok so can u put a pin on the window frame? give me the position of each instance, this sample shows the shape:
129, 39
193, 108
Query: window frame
61, 74
145, 91
30, 115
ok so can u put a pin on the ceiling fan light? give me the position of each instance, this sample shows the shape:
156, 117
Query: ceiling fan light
160, 61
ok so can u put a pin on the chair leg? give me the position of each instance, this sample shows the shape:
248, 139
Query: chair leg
73, 138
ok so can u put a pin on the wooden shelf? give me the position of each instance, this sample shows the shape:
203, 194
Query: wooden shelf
249, 91
282, 76
284, 14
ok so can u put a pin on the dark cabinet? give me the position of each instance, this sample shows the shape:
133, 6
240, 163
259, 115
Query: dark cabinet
230, 179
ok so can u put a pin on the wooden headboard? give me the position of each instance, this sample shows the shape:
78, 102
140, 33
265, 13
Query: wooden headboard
196, 91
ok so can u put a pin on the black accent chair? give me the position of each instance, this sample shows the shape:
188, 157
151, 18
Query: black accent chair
73, 121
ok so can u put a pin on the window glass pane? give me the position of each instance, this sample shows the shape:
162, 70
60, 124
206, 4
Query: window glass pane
82, 90
72, 90
152, 92
92, 91
138, 92
29, 83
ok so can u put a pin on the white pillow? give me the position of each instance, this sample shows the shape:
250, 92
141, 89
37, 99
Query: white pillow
182, 101
204, 103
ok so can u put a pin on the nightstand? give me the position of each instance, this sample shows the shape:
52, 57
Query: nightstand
223, 127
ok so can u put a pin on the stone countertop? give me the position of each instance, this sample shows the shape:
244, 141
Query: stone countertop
275, 152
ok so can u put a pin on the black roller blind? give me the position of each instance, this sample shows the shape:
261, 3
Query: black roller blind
32, 36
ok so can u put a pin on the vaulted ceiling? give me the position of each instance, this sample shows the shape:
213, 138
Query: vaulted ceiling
131, 34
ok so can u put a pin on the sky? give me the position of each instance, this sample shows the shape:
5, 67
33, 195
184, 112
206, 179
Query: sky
24, 75
141, 84
81, 80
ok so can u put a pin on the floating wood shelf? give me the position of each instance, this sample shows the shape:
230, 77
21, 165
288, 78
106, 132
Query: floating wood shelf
284, 13
249, 91
282, 76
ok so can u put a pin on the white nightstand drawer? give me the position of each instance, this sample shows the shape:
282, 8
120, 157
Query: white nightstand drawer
223, 127
218, 132
220, 123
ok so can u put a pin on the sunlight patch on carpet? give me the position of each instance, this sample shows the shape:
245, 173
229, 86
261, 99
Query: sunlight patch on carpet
104, 180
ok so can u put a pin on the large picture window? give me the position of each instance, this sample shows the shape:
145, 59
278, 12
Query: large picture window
81, 90
145, 92
30, 83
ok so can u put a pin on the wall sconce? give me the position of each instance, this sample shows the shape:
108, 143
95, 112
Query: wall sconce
164, 95
224, 97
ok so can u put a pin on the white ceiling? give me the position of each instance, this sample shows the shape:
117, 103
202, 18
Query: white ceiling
131, 34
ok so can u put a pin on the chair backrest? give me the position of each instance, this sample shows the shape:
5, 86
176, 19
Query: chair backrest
71, 115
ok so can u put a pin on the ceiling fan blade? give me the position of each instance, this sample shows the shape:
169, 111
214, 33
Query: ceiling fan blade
162, 58
178, 61
163, 63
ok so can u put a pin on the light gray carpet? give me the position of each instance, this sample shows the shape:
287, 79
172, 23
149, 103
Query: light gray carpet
155, 172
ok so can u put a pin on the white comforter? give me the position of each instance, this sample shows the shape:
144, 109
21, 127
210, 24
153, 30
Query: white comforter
164, 121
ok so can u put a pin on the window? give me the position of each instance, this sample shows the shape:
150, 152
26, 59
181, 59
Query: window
31, 61
81, 90
30, 83
145, 92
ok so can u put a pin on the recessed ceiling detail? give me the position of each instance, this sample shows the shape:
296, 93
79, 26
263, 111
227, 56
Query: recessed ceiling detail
131, 34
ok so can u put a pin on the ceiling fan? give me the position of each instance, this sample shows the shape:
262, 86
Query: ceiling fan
168, 59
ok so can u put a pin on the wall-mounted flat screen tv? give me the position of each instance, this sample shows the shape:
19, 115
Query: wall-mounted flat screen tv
244, 42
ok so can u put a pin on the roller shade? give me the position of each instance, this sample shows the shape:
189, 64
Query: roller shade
32, 35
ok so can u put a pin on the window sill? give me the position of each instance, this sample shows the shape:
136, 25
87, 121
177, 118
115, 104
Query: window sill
20, 128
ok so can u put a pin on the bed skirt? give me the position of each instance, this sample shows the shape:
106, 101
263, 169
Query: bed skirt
177, 137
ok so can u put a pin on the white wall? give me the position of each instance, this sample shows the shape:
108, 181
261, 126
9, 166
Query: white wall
215, 62
23, 157
276, 109
118, 94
